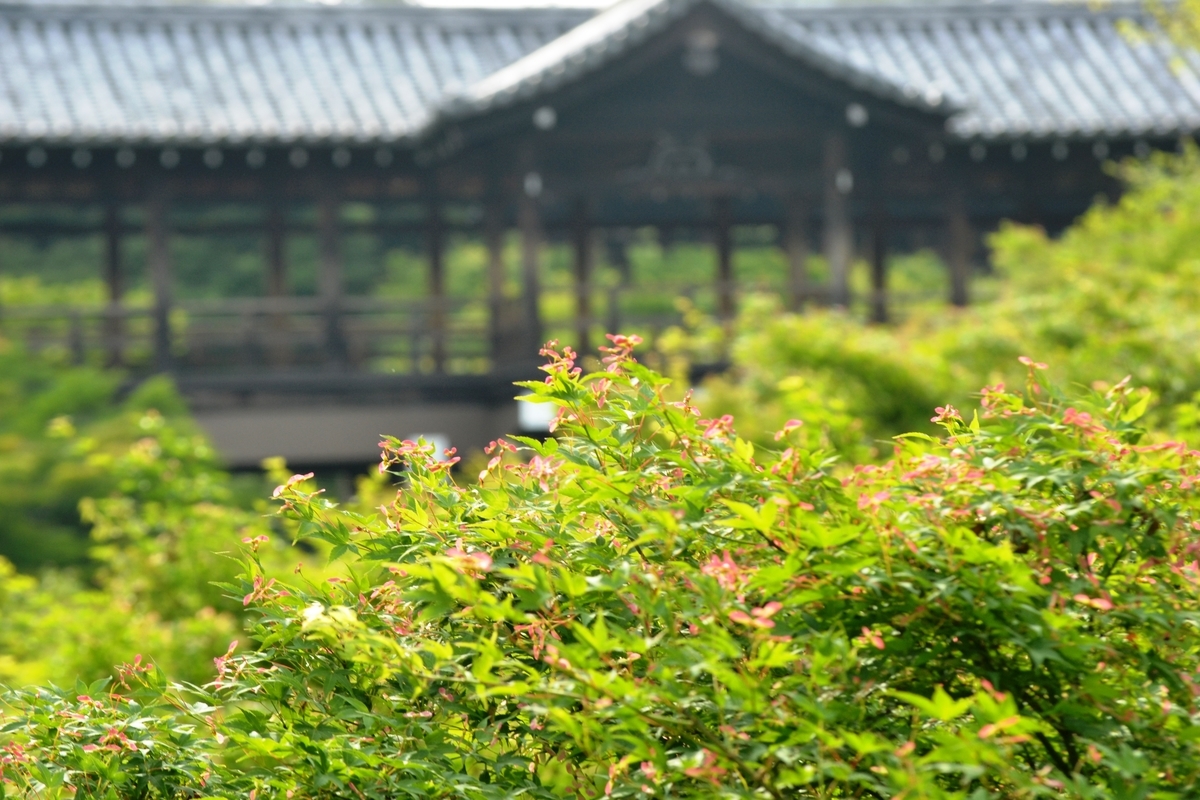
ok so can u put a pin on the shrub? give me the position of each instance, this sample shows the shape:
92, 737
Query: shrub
165, 523
39, 514
166, 530
649, 605
1117, 294
61, 428
854, 386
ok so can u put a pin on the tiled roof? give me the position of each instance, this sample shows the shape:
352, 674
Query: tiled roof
1019, 70
284, 73
196, 74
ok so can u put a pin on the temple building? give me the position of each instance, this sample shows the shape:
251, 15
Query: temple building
850, 130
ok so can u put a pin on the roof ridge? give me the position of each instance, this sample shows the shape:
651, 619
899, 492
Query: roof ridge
611, 31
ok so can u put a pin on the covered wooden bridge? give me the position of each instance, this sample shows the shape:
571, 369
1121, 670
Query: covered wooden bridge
848, 130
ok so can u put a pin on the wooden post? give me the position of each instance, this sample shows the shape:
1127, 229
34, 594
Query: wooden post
329, 280
531, 244
879, 254
114, 327
960, 246
159, 258
838, 237
666, 239
614, 309
795, 245
75, 339
617, 247
278, 349
276, 258
584, 263
726, 305
617, 250
437, 283
493, 237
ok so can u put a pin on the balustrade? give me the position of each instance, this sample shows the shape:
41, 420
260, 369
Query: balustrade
263, 333
385, 335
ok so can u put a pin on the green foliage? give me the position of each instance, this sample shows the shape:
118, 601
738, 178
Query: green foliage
1117, 294
1180, 20
127, 519
55, 630
60, 429
30, 290
160, 536
853, 385
649, 605
41, 407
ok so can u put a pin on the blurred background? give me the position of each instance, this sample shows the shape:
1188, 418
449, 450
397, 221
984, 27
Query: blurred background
243, 240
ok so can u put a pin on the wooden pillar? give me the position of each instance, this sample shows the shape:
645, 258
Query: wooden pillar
159, 261
879, 255
722, 224
795, 246
493, 236
529, 221
437, 283
838, 235
276, 258
960, 246
114, 323
584, 265
617, 250
269, 336
666, 239
329, 281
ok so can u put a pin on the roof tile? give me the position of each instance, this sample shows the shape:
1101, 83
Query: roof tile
204, 73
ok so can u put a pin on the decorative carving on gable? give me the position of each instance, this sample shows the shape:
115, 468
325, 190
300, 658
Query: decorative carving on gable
686, 167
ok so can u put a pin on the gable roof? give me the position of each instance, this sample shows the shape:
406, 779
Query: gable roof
279, 74
614, 30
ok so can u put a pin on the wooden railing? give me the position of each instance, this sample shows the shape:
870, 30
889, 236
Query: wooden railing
266, 333
428, 336
451, 336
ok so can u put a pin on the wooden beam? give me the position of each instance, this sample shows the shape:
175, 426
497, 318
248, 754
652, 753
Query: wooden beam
838, 234
795, 245
584, 264
159, 262
722, 224
329, 280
